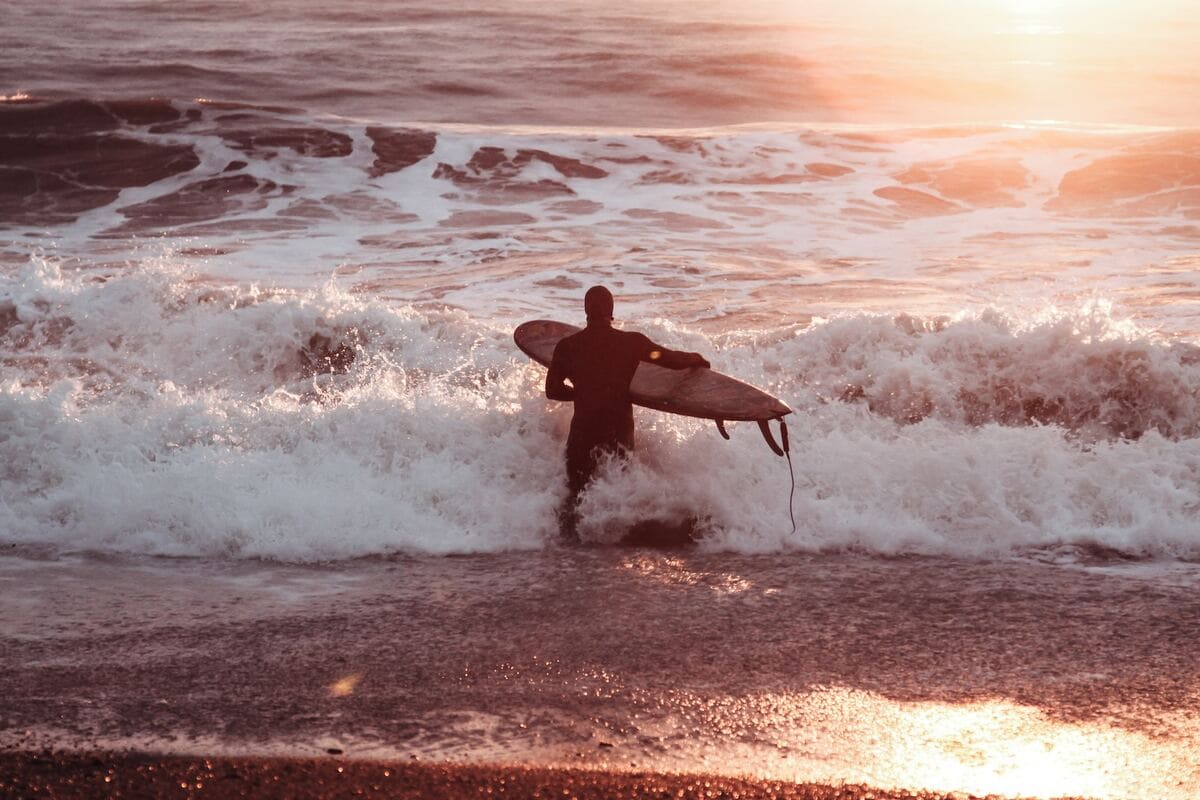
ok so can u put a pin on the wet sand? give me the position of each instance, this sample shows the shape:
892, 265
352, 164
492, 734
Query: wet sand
1013, 678
88, 775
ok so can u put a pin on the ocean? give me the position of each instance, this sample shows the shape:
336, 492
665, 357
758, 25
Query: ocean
259, 272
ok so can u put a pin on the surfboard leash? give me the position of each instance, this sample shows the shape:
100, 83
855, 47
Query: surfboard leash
787, 450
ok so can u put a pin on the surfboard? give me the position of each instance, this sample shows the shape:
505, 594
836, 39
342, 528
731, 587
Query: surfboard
703, 393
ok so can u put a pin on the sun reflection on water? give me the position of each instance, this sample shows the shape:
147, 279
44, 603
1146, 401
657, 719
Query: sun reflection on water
676, 572
344, 686
990, 747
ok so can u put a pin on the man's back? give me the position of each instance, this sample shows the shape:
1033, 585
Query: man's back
600, 362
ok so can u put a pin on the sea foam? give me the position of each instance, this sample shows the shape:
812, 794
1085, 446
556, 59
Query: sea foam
153, 411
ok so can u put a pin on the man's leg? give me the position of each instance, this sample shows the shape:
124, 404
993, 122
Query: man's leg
581, 464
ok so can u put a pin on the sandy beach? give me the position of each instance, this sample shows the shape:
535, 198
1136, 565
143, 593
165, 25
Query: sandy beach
1010, 678
86, 775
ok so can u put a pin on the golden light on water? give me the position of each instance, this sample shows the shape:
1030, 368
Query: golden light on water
1025, 7
1084, 61
344, 686
674, 571
990, 747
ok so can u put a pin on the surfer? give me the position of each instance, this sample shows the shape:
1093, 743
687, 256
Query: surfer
599, 362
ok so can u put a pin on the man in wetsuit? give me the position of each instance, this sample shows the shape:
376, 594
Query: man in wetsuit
599, 362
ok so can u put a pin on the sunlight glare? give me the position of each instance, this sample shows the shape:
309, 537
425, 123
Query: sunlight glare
989, 747
344, 686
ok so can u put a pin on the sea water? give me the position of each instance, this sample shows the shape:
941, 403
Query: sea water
959, 240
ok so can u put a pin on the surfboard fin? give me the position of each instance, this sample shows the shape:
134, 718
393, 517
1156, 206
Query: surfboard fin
721, 427
765, 427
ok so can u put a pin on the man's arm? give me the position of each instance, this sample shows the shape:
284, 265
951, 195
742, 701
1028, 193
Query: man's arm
556, 379
674, 359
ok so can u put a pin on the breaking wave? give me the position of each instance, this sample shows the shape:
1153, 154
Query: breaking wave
155, 411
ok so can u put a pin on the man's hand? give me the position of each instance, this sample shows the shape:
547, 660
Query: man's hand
557, 387
676, 359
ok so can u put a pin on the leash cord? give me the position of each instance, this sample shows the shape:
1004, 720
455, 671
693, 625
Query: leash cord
792, 493
787, 450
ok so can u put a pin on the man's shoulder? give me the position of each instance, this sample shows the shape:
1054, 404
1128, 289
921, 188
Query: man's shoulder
636, 339
569, 344
570, 340
603, 337
637, 335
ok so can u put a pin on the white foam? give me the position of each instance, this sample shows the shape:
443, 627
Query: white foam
155, 413
689, 220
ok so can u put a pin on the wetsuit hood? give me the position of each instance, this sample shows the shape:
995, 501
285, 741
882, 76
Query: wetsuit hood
598, 305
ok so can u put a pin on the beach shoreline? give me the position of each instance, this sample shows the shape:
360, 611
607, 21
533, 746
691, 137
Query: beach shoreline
62, 774
1011, 679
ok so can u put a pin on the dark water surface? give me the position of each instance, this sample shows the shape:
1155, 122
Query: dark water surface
626, 63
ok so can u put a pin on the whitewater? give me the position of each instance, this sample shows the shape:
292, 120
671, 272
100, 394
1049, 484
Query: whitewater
957, 391
975, 436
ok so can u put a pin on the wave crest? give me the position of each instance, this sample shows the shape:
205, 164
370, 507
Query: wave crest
1086, 372
152, 411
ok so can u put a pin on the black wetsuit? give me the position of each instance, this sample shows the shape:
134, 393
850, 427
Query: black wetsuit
600, 362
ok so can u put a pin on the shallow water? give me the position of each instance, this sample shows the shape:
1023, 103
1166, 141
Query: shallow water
1009, 677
